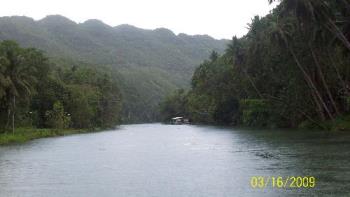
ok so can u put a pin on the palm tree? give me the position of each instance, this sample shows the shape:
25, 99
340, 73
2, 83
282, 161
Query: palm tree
235, 56
3, 79
316, 12
281, 33
312, 15
18, 72
321, 74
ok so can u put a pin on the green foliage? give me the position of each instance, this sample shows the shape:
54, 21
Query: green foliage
291, 69
25, 134
37, 93
20, 69
212, 97
255, 112
174, 105
342, 123
80, 105
201, 108
57, 118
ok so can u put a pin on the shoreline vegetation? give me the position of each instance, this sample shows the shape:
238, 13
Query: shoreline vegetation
58, 100
23, 135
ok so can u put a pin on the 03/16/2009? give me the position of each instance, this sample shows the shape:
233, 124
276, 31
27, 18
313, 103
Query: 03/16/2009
261, 182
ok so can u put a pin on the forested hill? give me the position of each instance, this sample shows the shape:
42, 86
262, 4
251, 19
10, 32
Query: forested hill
148, 63
290, 70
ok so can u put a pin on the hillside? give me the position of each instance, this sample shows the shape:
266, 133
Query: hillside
148, 63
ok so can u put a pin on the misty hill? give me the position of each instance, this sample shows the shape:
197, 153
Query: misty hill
149, 63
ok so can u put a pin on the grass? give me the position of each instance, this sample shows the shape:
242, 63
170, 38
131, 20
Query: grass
22, 135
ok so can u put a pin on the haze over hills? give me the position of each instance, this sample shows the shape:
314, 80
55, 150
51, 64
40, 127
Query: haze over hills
149, 63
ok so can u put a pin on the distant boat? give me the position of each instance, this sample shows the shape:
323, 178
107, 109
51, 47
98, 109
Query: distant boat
180, 120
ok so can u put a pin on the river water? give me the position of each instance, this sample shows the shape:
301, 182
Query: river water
175, 160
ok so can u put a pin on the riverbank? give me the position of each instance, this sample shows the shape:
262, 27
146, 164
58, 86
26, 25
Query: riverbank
22, 135
341, 123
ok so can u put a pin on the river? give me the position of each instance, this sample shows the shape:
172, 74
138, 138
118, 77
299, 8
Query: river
175, 160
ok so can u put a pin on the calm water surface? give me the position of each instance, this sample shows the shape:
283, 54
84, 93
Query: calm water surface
175, 160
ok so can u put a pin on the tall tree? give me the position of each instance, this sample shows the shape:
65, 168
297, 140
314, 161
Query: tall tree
18, 75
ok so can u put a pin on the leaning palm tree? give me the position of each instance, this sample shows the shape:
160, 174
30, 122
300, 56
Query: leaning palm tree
316, 17
281, 33
17, 72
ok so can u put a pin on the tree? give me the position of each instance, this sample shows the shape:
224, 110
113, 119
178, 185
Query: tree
174, 105
57, 118
17, 76
30, 84
236, 57
282, 34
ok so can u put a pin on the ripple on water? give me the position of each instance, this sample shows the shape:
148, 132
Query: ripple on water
174, 160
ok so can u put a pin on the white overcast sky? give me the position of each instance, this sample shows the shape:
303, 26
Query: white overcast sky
217, 18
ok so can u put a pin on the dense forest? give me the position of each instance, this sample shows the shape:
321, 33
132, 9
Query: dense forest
290, 70
148, 64
34, 92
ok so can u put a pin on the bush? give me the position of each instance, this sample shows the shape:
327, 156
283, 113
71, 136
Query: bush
255, 112
57, 118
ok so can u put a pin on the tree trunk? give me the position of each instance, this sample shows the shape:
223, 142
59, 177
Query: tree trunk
335, 29
253, 84
308, 79
13, 114
319, 106
333, 63
324, 80
338, 33
301, 111
8, 119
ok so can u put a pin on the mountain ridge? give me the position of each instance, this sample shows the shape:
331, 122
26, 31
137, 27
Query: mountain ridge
159, 58
63, 18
